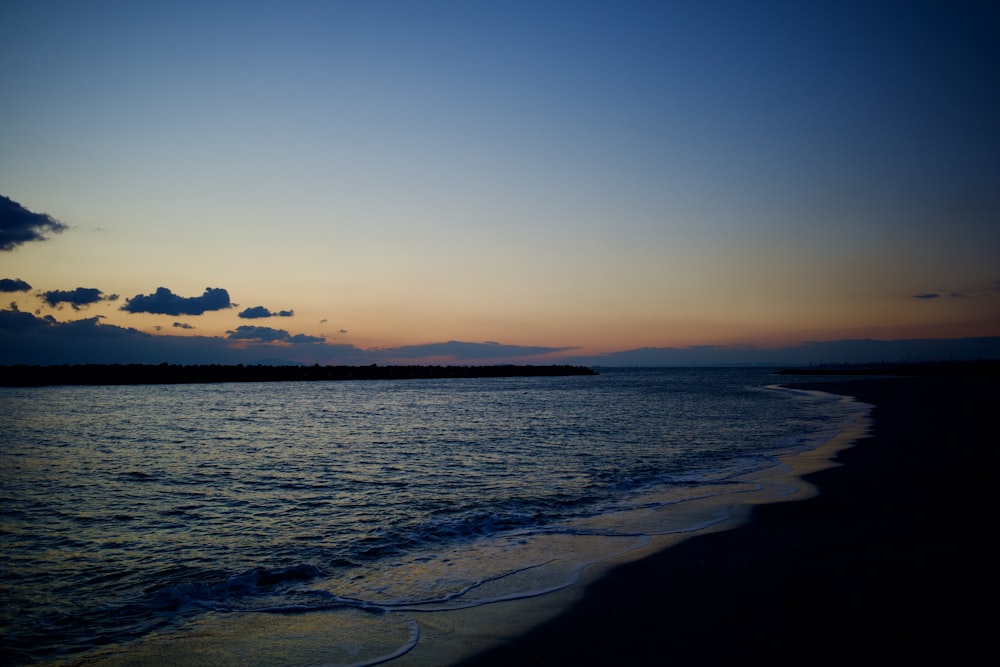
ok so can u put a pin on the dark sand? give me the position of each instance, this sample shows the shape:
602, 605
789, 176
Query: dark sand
890, 563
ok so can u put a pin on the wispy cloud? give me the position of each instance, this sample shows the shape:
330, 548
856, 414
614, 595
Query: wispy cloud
968, 292
18, 225
165, 302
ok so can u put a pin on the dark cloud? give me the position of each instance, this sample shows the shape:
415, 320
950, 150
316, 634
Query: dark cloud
255, 313
183, 325
863, 350
303, 338
165, 302
13, 285
18, 322
458, 350
19, 225
928, 296
81, 296
269, 335
985, 290
28, 339
258, 312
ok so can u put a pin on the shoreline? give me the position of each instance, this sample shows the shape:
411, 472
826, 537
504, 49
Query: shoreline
879, 563
451, 636
867, 545
465, 636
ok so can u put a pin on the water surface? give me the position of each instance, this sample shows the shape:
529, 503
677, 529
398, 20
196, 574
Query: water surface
132, 510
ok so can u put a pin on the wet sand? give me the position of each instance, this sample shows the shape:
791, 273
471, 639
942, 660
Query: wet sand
888, 563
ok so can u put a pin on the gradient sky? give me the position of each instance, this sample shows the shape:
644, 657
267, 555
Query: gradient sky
566, 177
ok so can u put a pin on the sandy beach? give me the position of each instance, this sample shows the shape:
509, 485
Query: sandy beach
870, 547
884, 565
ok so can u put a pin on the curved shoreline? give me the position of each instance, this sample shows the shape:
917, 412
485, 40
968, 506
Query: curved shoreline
875, 557
879, 563
473, 636
448, 636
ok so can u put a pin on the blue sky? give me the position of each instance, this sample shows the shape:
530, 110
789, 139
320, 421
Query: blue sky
558, 178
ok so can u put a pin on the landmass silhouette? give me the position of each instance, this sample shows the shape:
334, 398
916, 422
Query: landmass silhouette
105, 374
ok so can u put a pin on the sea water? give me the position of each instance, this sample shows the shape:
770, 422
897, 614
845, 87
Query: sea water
131, 512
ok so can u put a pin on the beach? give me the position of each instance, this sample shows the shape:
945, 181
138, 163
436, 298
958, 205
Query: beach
869, 541
423, 521
884, 564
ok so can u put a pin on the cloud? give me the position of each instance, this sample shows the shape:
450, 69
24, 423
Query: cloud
183, 325
457, 350
14, 321
81, 296
269, 335
13, 285
969, 291
258, 312
863, 350
26, 339
165, 302
29, 339
18, 225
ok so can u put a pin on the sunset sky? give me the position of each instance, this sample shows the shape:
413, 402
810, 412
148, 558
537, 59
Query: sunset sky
348, 181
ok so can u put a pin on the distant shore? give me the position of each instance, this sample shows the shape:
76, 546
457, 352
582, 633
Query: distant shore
880, 565
123, 374
976, 367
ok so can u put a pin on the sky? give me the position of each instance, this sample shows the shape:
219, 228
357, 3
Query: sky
481, 182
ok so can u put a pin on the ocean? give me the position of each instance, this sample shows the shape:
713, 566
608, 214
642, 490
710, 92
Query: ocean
242, 518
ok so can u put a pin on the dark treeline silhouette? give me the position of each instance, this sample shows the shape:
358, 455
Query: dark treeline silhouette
96, 374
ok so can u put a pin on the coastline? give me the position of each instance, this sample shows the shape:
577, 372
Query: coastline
128, 374
448, 637
881, 563
470, 636
876, 556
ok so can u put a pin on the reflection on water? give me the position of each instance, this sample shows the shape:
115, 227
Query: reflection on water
134, 510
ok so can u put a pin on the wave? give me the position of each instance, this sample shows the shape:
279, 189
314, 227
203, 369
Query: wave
215, 595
